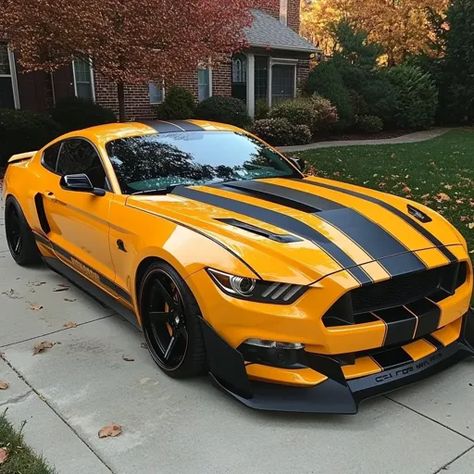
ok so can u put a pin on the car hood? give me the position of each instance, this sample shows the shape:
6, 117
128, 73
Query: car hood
302, 230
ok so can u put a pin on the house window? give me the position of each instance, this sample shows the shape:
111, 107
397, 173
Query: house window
156, 93
239, 69
261, 78
284, 12
8, 90
83, 79
204, 83
239, 77
283, 82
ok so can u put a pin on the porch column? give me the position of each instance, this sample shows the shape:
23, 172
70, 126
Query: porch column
251, 84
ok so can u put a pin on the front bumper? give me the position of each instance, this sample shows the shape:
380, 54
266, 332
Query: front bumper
335, 394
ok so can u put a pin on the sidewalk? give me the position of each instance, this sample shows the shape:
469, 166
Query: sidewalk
409, 138
69, 392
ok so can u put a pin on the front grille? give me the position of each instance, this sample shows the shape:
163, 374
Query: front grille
359, 305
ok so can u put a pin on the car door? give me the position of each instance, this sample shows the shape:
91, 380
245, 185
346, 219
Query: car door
79, 221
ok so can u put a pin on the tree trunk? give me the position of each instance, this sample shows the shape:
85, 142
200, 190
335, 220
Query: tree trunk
121, 101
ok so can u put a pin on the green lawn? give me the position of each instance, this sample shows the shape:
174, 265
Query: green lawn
438, 173
21, 460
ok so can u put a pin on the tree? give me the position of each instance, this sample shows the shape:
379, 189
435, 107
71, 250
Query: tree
128, 41
457, 67
401, 27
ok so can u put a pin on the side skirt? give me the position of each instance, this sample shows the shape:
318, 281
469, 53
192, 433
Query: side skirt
91, 289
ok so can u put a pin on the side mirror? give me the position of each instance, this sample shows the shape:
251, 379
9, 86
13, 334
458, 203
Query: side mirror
298, 162
80, 182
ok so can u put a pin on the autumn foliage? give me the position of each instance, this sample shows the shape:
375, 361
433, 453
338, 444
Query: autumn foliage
128, 41
401, 27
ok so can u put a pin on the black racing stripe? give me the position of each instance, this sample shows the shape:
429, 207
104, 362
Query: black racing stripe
428, 235
286, 196
428, 316
188, 126
372, 238
391, 358
400, 323
162, 127
103, 279
376, 241
432, 340
282, 221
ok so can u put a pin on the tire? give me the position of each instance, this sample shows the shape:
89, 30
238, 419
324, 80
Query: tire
20, 238
170, 321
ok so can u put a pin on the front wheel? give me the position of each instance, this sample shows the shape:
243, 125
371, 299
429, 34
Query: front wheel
170, 318
20, 238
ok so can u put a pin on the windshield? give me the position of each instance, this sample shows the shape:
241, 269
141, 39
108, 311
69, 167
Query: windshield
159, 161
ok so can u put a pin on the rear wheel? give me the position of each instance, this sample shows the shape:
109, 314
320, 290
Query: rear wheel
21, 241
170, 317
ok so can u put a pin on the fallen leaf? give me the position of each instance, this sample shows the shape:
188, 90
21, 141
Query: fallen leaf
70, 300
3, 455
143, 345
406, 190
36, 307
38, 283
470, 225
62, 288
11, 294
442, 197
42, 346
128, 359
70, 325
110, 431
4, 385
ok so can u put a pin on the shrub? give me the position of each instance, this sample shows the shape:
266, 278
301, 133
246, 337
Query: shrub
326, 81
417, 97
381, 97
368, 123
224, 109
73, 113
279, 131
315, 112
22, 130
261, 109
178, 104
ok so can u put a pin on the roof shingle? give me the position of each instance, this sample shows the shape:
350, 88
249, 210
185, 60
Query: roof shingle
267, 32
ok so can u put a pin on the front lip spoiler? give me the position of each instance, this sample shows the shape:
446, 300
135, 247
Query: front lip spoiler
334, 395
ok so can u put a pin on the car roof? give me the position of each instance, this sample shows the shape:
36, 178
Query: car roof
112, 131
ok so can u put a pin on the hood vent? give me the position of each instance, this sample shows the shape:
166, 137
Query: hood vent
281, 238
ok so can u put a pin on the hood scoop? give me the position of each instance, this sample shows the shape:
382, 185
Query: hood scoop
281, 238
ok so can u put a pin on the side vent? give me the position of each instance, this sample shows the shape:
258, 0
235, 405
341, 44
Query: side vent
281, 238
42, 214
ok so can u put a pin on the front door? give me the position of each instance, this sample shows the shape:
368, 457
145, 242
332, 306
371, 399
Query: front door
79, 221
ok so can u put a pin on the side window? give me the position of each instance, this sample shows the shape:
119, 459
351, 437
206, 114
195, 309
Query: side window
50, 157
79, 156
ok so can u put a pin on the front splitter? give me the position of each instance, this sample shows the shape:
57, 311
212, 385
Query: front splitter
335, 396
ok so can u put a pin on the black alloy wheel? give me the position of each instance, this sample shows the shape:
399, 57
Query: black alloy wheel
20, 238
170, 322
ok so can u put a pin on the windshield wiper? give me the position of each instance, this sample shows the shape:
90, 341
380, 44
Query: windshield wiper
165, 190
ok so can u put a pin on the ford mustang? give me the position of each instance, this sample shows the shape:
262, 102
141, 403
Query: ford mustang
295, 293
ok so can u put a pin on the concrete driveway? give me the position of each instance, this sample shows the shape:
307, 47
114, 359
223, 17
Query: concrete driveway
69, 392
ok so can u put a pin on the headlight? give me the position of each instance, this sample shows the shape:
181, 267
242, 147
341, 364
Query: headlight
256, 290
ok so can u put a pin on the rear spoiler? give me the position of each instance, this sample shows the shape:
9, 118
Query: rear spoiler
21, 157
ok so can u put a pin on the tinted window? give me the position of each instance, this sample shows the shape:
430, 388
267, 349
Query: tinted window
50, 157
79, 156
161, 160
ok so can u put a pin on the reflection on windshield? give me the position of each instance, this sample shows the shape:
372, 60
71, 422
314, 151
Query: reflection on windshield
161, 160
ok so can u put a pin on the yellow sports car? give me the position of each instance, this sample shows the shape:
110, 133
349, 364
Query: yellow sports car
295, 293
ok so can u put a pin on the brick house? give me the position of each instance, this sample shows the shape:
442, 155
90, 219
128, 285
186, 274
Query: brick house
269, 70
